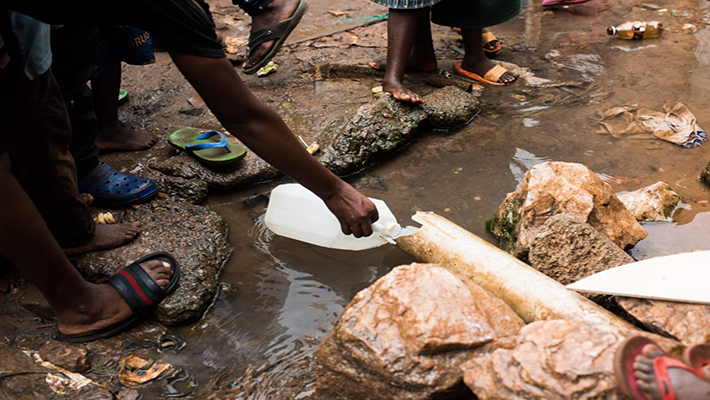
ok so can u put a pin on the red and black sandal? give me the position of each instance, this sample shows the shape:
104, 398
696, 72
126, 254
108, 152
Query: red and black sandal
141, 293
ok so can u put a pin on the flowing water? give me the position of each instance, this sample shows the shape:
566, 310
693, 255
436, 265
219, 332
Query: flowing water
260, 339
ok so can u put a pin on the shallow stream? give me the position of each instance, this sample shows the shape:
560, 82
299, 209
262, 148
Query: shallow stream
289, 295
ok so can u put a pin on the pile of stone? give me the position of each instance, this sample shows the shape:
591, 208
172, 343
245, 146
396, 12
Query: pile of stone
459, 327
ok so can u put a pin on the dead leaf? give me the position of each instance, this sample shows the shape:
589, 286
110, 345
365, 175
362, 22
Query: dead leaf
135, 371
234, 43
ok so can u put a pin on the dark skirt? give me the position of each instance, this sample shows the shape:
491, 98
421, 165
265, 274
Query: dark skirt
474, 14
469, 14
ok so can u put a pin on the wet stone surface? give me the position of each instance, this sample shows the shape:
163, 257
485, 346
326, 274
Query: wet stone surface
652, 203
194, 235
376, 131
568, 249
550, 360
689, 323
251, 169
552, 188
450, 107
406, 336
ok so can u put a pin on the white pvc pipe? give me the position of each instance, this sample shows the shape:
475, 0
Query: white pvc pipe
531, 294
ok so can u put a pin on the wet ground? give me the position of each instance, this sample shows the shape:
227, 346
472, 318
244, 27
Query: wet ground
257, 342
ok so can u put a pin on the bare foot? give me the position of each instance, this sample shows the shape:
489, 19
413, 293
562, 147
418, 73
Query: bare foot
103, 305
401, 93
381, 65
685, 384
481, 65
274, 13
119, 138
107, 237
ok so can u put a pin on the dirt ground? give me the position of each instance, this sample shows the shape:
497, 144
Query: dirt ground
672, 68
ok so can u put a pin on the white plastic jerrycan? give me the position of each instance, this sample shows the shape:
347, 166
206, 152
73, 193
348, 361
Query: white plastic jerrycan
297, 213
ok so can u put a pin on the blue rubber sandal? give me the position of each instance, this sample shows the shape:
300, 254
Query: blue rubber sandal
113, 189
139, 291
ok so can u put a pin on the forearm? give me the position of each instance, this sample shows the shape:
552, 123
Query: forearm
254, 123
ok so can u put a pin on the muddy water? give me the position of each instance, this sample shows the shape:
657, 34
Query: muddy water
260, 338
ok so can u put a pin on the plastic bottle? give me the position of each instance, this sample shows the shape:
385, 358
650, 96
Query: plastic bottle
637, 30
297, 213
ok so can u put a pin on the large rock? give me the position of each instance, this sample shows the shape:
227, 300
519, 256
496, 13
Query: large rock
556, 187
568, 249
554, 359
652, 203
450, 107
689, 323
191, 190
195, 235
249, 170
376, 131
406, 336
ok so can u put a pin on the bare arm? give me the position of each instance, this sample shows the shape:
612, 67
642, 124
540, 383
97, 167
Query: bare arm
262, 130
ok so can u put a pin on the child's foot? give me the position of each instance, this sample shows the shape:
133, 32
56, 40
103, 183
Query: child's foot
685, 384
107, 237
275, 12
401, 93
481, 65
104, 306
120, 138
415, 65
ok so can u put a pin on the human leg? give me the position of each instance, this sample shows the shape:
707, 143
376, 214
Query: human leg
80, 306
271, 12
401, 33
472, 17
75, 53
422, 57
475, 59
111, 135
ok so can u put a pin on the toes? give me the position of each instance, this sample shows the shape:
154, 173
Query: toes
643, 364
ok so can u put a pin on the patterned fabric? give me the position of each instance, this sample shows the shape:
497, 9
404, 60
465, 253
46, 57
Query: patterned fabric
406, 4
33, 42
123, 43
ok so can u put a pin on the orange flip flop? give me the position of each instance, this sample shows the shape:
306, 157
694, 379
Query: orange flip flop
487, 38
491, 77
624, 359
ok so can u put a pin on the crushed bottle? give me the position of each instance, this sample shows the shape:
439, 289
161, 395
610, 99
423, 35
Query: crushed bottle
636, 30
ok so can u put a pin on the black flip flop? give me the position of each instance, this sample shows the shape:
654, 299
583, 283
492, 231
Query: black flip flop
278, 32
141, 293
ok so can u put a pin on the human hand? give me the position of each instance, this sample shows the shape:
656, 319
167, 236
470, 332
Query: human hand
354, 210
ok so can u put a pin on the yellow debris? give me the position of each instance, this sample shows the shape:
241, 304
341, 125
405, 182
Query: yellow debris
105, 218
